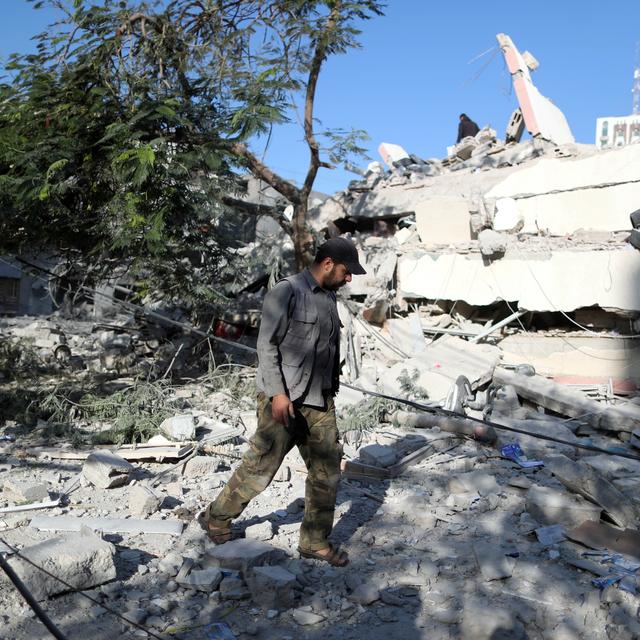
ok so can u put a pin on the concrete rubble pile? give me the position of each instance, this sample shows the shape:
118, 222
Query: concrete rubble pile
501, 292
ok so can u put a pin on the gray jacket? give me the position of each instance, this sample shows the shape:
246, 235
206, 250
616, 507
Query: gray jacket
288, 340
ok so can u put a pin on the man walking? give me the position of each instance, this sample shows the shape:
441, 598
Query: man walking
298, 374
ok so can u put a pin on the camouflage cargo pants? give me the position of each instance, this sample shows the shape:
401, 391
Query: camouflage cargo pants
315, 434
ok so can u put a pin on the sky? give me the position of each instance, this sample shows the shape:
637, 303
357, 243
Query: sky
427, 61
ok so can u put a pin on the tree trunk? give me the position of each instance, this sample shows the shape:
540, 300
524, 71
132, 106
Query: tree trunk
302, 237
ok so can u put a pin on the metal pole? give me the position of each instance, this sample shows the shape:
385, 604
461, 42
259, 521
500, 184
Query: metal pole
498, 325
31, 601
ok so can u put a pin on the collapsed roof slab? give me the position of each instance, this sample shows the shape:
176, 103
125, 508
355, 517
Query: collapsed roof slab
541, 117
546, 281
562, 195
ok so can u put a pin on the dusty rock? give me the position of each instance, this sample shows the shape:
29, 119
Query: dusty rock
233, 588
365, 593
201, 466
491, 242
202, 580
143, 501
23, 491
82, 560
243, 554
378, 455
304, 617
179, 428
272, 587
260, 531
105, 470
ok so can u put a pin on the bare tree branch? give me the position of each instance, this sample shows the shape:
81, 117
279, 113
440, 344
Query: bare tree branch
259, 169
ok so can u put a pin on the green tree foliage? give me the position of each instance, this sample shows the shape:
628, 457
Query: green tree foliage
121, 137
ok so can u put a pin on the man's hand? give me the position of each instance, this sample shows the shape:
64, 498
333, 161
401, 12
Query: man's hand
282, 408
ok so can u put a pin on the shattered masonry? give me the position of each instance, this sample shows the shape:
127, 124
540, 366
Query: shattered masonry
502, 284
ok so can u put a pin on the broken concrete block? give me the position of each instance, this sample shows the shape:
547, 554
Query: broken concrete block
272, 587
378, 455
443, 220
306, 617
233, 588
106, 470
243, 554
143, 501
261, 531
179, 428
551, 535
586, 481
473, 481
24, 491
201, 466
507, 216
202, 580
550, 506
493, 563
492, 243
84, 561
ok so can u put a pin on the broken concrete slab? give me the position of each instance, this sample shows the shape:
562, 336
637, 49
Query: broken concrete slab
378, 455
107, 525
569, 402
586, 481
507, 216
443, 220
406, 334
22, 491
550, 506
531, 280
582, 358
272, 587
551, 535
105, 470
83, 561
567, 194
179, 428
444, 361
598, 535
201, 579
450, 424
243, 554
492, 561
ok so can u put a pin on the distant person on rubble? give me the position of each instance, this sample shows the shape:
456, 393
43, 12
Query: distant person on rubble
297, 379
467, 127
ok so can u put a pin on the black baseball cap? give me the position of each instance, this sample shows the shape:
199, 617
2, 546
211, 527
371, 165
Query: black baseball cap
341, 250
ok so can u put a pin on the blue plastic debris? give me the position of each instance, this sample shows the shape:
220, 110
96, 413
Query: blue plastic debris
514, 453
606, 581
219, 631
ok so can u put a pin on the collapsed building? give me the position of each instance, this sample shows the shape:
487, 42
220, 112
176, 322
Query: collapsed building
501, 285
